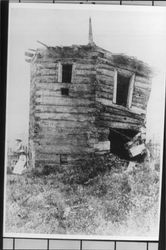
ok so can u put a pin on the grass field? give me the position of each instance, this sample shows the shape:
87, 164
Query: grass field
112, 202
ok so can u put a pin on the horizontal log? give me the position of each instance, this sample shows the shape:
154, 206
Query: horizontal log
84, 79
116, 117
143, 80
105, 79
64, 124
140, 100
64, 109
105, 72
66, 101
65, 116
81, 61
57, 141
141, 91
64, 149
117, 110
89, 132
46, 79
139, 106
47, 65
105, 87
85, 72
102, 66
46, 72
57, 86
132, 110
42, 156
87, 67
104, 145
120, 125
138, 111
72, 93
105, 61
104, 94
104, 101
142, 86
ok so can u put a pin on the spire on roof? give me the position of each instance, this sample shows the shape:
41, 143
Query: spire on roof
91, 42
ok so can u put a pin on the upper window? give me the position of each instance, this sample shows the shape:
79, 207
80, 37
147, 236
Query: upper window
123, 89
66, 72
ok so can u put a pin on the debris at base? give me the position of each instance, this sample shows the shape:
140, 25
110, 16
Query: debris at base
137, 145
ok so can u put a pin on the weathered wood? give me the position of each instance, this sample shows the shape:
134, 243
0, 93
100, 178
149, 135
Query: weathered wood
118, 110
119, 125
66, 101
105, 79
105, 72
121, 119
104, 101
49, 79
72, 93
78, 123
63, 124
50, 157
46, 72
87, 67
57, 86
104, 94
104, 145
65, 149
83, 72
142, 86
65, 109
143, 80
65, 117
105, 87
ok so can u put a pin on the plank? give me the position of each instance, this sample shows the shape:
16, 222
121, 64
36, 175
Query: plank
104, 94
50, 100
64, 124
103, 78
87, 67
142, 86
122, 112
64, 149
118, 118
120, 125
46, 72
143, 80
57, 86
46, 79
105, 72
104, 145
72, 93
65, 117
64, 109
85, 72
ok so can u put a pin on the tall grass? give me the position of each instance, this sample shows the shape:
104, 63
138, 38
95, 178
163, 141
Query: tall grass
87, 200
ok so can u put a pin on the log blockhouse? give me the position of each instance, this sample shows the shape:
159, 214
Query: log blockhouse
84, 100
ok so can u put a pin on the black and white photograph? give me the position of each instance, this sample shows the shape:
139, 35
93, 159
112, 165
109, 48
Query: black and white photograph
84, 121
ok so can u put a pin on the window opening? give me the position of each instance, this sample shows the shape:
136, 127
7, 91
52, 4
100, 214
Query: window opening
66, 72
65, 91
122, 90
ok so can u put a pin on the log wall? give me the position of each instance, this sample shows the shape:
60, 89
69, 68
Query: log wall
78, 124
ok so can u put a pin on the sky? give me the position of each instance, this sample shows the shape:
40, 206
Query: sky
135, 31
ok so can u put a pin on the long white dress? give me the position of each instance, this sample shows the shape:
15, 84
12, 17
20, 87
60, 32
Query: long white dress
20, 165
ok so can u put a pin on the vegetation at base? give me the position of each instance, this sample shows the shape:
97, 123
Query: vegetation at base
115, 201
